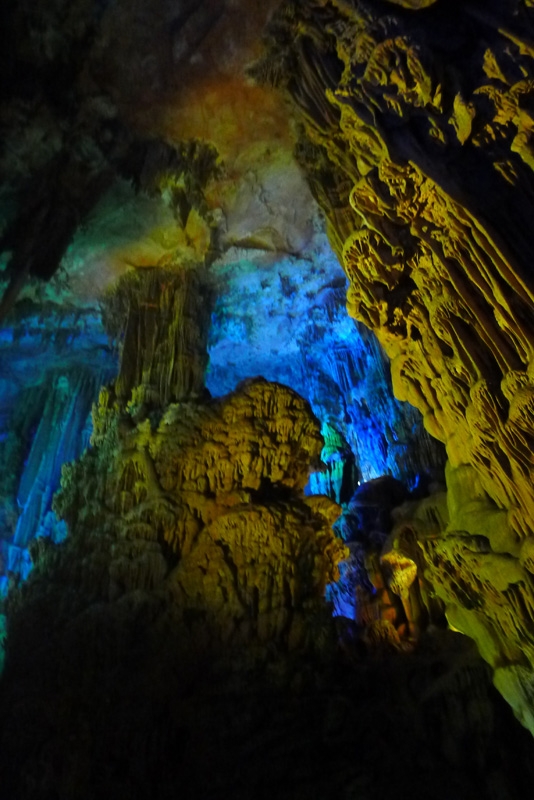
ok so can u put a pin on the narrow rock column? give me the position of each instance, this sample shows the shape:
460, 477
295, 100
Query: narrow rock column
163, 318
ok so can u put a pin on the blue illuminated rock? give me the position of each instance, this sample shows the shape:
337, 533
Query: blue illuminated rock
284, 317
54, 364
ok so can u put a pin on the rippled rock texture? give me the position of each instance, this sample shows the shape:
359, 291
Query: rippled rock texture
416, 133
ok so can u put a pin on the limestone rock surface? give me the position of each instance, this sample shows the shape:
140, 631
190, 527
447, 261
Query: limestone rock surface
416, 134
207, 507
191, 548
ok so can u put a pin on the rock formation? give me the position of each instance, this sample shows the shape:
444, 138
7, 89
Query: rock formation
191, 495
416, 134
188, 525
285, 318
54, 362
178, 641
183, 617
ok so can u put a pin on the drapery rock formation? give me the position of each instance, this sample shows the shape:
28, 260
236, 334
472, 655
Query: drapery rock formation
416, 133
54, 361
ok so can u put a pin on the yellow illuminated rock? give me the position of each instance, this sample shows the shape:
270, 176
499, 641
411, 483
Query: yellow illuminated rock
429, 144
201, 501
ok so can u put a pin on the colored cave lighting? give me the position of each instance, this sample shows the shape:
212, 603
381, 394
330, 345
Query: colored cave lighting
288, 324
53, 367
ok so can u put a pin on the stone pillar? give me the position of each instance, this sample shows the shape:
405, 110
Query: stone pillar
163, 317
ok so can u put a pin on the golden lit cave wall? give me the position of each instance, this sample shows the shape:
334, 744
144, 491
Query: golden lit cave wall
416, 133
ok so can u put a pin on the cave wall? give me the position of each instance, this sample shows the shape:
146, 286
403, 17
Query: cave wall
189, 162
190, 529
284, 317
416, 128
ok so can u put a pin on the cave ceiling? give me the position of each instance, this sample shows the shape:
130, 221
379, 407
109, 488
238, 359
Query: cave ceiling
145, 83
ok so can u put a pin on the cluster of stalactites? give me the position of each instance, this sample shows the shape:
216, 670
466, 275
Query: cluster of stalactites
163, 318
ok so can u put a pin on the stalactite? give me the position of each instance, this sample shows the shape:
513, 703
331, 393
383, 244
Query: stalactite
163, 316
45, 423
58, 440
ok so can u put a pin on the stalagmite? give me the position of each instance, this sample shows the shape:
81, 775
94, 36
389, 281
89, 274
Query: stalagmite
187, 520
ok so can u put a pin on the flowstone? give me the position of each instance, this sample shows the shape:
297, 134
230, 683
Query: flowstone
416, 133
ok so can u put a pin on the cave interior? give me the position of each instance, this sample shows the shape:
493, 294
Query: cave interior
266, 399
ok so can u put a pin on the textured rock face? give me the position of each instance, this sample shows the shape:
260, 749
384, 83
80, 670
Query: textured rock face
285, 318
417, 134
53, 363
201, 500
208, 506
189, 536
